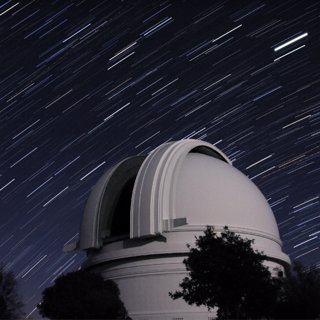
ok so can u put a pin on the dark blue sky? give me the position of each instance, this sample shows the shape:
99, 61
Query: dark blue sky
85, 84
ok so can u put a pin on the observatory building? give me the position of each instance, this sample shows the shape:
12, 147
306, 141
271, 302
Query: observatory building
143, 211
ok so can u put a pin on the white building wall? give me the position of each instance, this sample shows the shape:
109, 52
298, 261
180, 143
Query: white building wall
147, 270
145, 286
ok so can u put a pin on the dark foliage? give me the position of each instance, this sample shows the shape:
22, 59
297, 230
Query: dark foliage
82, 295
300, 295
10, 303
227, 273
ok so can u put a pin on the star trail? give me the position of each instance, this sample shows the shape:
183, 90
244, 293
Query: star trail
85, 84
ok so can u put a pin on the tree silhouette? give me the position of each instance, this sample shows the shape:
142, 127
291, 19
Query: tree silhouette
82, 295
11, 307
299, 297
226, 273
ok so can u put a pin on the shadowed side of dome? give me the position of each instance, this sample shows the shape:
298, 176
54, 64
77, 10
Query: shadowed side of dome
106, 216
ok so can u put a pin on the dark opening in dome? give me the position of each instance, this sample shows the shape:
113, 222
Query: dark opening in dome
116, 202
121, 219
209, 152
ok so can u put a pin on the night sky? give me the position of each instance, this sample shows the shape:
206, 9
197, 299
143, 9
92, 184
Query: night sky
85, 84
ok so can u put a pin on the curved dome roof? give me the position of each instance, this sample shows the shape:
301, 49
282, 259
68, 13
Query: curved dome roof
209, 191
192, 182
180, 185
152, 205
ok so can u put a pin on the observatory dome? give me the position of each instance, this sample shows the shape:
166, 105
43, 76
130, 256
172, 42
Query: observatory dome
144, 210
